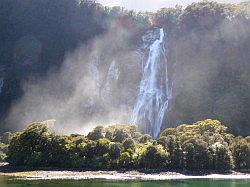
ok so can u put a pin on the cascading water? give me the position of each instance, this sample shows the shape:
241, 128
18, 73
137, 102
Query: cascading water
1, 84
155, 89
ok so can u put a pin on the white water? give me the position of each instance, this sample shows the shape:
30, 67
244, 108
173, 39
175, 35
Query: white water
113, 72
155, 90
1, 84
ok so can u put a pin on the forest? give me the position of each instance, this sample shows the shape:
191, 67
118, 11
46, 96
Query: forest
208, 52
204, 145
209, 63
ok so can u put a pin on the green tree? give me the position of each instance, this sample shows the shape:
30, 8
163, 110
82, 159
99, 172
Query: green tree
30, 147
241, 152
172, 145
102, 146
129, 143
153, 156
120, 135
126, 160
115, 150
146, 138
223, 159
97, 133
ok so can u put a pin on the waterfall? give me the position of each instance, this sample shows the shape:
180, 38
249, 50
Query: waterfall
155, 89
1, 84
113, 72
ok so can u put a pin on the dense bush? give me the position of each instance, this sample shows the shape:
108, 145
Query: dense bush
3, 150
203, 145
207, 44
208, 55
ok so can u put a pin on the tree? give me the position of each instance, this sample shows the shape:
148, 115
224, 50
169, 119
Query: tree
23, 149
102, 146
89, 150
223, 159
209, 147
129, 143
3, 150
153, 156
115, 149
188, 154
97, 133
168, 131
126, 160
146, 138
241, 152
173, 147
120, 135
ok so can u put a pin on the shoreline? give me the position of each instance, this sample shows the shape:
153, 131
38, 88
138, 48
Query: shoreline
133, 175
116, 176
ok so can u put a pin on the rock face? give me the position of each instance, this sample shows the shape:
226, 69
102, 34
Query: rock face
155, 91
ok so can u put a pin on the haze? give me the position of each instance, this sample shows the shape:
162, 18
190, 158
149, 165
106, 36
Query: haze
154, 5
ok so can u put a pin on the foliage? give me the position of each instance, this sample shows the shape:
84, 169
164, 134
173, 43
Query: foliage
241, 152
3, 150
38, 34
209, 48
96, 134
202, 145
129, 143
207, 43
145, 139
153, 156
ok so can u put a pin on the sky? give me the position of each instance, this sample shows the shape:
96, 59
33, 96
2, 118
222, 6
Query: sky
153, 5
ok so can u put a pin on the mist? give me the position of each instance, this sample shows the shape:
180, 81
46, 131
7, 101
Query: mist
154, 5
208, 70
99, 82
87, 90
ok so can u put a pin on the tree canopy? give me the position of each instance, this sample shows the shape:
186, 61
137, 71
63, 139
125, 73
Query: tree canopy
207, 49
202, 145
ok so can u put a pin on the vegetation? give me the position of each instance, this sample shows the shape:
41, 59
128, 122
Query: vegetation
208, 45
208, 59
3, 148
36, 35
208, 56
202, 145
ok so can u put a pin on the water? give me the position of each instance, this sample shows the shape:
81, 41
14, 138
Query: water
1, 84
155, 88
95, 183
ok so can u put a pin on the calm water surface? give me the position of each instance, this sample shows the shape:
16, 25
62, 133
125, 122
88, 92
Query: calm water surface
6, 182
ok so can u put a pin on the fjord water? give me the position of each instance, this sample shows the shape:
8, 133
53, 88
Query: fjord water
96, 183
155, 88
